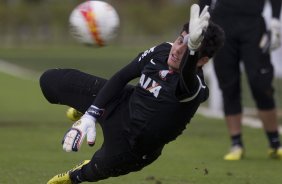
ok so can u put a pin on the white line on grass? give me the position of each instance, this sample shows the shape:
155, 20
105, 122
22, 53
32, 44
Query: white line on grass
17, 71
247, 121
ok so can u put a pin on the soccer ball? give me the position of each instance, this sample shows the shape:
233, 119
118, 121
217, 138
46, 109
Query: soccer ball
94, 23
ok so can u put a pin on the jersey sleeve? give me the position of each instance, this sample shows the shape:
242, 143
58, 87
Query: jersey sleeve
189, 83
118, 81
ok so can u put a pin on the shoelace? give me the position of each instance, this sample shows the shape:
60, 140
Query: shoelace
67, 172
63, 174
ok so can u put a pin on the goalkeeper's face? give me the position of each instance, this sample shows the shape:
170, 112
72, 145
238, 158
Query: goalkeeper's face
177, 52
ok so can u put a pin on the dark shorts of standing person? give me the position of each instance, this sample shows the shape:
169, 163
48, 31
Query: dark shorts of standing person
243, 36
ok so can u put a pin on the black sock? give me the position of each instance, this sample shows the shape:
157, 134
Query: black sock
237, 140
273, 138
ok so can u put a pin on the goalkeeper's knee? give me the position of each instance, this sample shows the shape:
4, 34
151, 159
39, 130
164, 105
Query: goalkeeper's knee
48, 85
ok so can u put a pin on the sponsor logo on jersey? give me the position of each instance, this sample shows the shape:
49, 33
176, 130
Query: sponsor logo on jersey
150, 85
163, 74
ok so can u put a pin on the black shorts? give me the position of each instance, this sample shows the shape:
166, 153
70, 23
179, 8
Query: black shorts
243, 35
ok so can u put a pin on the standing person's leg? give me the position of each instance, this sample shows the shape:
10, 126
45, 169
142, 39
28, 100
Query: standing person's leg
270, 124
70, 87
227, 68
260, 76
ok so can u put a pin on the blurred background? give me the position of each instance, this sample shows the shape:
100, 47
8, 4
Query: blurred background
34, 36
40, 22
44, 24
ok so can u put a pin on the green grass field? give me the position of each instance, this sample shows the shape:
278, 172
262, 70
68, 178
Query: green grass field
31, 130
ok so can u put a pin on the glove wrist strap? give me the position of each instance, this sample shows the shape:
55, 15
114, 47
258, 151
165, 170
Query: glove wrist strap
95, 112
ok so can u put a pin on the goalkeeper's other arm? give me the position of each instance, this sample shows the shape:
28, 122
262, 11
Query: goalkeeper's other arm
85, 126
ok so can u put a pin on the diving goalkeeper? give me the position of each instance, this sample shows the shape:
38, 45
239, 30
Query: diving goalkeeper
137, 121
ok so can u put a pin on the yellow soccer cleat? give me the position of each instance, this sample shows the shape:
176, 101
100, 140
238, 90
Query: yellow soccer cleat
275, 153
64, 178
236, 153
73, 114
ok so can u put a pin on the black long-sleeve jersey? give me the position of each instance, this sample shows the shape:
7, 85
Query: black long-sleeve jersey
161, 104
242, 7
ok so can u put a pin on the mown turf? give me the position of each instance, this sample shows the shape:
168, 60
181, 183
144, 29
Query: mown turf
31, 130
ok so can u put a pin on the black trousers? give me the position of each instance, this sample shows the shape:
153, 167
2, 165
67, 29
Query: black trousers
116, 156
243, 36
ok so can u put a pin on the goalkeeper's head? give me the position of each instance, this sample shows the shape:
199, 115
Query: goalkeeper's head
213, 40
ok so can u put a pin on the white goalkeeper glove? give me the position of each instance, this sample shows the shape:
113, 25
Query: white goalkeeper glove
74, 137
275, 33
271, 40
197, 26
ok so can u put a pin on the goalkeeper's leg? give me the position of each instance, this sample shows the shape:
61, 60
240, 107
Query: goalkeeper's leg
70, 87
102, 167
65, 178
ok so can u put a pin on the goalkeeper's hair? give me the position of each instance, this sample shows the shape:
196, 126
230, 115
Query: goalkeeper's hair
213, 39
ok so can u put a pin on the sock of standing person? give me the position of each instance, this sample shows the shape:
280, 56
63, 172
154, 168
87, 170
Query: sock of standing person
273, 138
237, 140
